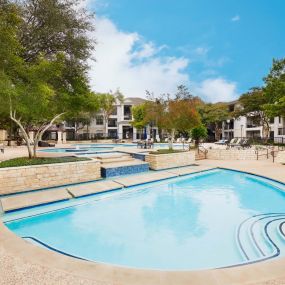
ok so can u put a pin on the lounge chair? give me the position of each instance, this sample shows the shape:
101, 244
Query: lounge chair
221, 142
233, 142
189, 140
237, 143
245, 143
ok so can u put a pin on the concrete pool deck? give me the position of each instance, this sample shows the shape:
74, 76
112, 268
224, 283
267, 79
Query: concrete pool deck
24, 263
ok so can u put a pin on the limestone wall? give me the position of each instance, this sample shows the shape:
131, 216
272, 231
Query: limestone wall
235, 154
164, 161
280, 157
17, 179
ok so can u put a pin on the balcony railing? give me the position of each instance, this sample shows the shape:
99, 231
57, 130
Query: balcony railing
127, 117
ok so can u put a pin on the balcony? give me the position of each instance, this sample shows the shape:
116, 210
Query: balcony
127, 117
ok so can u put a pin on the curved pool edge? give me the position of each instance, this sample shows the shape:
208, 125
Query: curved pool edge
81, 270
96, 273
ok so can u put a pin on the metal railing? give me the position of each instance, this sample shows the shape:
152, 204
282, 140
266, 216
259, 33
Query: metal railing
203, 150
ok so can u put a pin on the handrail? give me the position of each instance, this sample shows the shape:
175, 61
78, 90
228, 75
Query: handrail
203, 150
258, 154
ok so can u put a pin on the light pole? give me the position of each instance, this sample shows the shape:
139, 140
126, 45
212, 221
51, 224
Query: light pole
241, 126
228, 122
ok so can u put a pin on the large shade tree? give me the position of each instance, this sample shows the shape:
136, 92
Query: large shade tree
214, 114
176, 113
252, 105
108, 102
43, 75
274, 90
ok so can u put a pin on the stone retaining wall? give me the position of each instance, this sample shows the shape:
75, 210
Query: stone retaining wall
280, 157
164, 161
17, 179
234, 154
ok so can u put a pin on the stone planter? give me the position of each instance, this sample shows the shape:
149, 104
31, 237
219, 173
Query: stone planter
164, 161
18, 179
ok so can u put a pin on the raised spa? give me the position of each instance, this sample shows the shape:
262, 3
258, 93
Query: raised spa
213, 219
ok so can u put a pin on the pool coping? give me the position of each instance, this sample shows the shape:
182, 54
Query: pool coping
245, 274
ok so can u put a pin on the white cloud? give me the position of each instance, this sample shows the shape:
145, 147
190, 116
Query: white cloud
124, 60
201, 50
236, 18
217, 90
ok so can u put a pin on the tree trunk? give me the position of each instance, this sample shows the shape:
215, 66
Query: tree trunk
42, 130
170, 142
25, 134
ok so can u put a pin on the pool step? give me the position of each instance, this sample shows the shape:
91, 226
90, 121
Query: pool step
144, 178
117, 168
33, 199
93, 188
111, 159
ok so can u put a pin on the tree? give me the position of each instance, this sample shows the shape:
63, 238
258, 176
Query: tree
178, 113
43, 83
252, 105
108, 103
274, 90
139, 115
50, 27
198, 133
214, 114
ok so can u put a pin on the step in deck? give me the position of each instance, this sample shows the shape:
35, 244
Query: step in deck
33, 199
188, 170
93, 188
144, 178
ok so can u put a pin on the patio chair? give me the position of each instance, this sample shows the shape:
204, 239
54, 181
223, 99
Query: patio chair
233, 142
245, 143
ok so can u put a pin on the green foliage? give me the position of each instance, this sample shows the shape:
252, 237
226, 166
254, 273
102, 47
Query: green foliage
274, 90
199, 133
166, 151
214, 113
43, 72
139, 115
250, 102
24, 161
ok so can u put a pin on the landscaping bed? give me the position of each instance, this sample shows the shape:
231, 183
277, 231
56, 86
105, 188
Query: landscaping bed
167, 151
25, 161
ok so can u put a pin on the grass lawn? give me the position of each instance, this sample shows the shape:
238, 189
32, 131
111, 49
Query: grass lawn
167, 151
25, 161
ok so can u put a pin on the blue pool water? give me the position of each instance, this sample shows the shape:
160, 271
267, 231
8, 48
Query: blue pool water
97, 147
208, 220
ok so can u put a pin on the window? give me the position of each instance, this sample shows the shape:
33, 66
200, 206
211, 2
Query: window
112, 123
127, 112
112, 134
99, 120
281, 131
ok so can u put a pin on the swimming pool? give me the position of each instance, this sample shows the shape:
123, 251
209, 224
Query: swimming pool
213, 219
98, 148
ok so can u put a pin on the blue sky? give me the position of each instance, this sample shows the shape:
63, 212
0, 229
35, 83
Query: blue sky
218, 48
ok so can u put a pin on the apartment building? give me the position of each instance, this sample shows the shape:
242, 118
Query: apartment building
119, 123
246, 126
